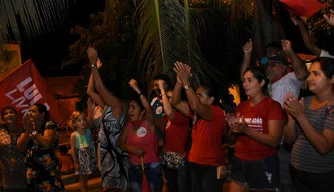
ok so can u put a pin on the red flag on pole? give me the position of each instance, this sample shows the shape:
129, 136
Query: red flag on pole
302, 8
145, 187
24, 87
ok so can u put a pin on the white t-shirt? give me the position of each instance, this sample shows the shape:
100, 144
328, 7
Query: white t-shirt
288, 83
326, 54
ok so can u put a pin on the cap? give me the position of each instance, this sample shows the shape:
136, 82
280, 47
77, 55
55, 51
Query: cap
279, 59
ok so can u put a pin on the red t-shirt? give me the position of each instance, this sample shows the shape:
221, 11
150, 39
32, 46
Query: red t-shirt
176, 132
145, 139
257, 118
206, 146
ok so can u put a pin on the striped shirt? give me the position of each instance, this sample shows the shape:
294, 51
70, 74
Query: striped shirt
304, 156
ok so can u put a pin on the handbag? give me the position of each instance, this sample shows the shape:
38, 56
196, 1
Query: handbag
173, 160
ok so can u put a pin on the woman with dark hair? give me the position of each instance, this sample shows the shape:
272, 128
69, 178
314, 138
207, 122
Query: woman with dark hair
257, 127
43, 170
12, 152
114, 161
311, 130
205, 156
140, 140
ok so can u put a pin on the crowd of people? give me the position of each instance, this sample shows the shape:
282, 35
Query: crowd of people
178, 136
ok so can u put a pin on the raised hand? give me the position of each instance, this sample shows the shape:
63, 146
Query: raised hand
329, 18
161, 84
296, 21
90, 104
294, 107
29, 124
92, 55
183, 71
248, 47
286, 46
134, 85
98, 63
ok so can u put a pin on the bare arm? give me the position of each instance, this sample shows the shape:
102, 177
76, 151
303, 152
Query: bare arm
73, 148
290, 135
168, 109
182, 107
298, 65
107, 96
23, 141
47, 139
92, 93
247, 48
308, 41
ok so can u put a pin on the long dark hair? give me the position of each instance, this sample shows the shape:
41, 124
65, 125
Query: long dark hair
260, 75
42, 109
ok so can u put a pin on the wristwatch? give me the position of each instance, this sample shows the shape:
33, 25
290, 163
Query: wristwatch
93, 65
186, 87
34, 133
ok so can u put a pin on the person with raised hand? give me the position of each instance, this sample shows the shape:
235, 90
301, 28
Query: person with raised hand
114, 161
139, 139
329, 18
205, 156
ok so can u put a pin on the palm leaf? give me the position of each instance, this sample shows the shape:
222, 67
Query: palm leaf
165, 36
31, 16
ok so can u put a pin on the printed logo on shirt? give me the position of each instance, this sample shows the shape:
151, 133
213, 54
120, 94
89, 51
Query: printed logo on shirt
158, 110
141, 132
255, 123
168, 123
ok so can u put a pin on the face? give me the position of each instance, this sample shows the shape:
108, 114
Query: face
271, 51
134, 111
35, 114
203, 97
80, 122
169, 95
251, 85
9, 116
317, 81
275, 70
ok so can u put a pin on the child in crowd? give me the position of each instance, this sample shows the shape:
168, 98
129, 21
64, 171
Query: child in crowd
83, 151
65, 160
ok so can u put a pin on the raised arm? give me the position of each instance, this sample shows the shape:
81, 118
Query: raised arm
184, 73
149, 114
247, 48
47, 139
329, 18
108, 97
24, 138
180, 105
91, 92
168, 108
298, 64
91, 108
308, 41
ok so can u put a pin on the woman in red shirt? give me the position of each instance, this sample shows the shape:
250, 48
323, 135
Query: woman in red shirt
175, 134
208, 128
257, 127
139, 139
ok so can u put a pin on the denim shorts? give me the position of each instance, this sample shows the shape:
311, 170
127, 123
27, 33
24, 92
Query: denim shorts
153, 172
261, 174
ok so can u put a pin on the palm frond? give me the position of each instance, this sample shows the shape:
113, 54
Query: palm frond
165, 35
30, 16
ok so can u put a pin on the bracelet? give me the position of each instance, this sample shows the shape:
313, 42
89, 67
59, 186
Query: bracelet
163, 94
93, 66
139, 94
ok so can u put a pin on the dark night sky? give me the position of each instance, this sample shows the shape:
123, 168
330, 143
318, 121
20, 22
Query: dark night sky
50, 49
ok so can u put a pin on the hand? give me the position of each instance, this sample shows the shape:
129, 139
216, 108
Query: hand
239, 126
248, 47
76, 167
139, 152
294, 107
287, 46
92, 55
98, 63
161, 84
29, 124
90, 104
296, 21
134, 85
230, 119
183, 71
330, 18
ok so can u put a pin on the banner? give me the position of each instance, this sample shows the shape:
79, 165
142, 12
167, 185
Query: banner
302, 8
25, 87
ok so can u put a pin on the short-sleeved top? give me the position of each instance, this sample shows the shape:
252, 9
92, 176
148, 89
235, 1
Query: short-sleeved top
303, 155
176, 133
325, 53
144, 139
12, 162
257, 118
288, 83
207, 139
83, 141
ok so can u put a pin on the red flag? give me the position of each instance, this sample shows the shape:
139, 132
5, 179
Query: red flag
24, 87
145, 187
302, 8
